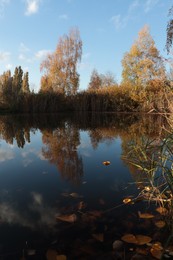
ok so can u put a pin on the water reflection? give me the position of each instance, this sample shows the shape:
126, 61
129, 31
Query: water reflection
51, 166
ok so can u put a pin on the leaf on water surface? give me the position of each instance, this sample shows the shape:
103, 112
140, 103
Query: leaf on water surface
61, 257
75, 195
51, 254
160, 223
98, 236
67, 218
106, 163
31, 252
163, 211
157, 246
127, 200
101, 202
156, 253
142, 240
145, 215
138, 239
81, 205
129, 238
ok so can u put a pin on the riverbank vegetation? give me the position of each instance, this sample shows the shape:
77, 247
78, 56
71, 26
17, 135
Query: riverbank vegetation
146, 84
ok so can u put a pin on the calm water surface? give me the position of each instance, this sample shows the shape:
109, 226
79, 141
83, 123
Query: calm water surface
52, 166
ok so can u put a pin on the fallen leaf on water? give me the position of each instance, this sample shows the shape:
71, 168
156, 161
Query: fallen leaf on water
67, 218
98, 237
138, 239
145, 215
127, 200
102, 202
129, 238
106, 163
61, 257
51, 254
160, 223
163, 211
81, 205
75, 195
142, 240
157, 246
156, 253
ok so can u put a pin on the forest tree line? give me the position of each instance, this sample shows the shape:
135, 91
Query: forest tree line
146, 85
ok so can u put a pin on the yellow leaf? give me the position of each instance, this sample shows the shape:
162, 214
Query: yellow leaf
156, 253
127, 200
51, 254
75, 195
129, 238
145, 215
160, 223
67, 218
106, 163
142, 240
157, 246
163, 211
61, 257
98, 237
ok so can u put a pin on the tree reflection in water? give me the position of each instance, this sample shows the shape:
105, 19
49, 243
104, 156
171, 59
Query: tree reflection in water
61, 150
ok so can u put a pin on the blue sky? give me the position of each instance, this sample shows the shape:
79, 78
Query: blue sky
30, 29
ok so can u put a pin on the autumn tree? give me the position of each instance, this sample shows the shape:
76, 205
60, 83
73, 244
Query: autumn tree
6, 86
17, 81
143, 62
169, 32
25, 83
98, 81
60, 67
95, 81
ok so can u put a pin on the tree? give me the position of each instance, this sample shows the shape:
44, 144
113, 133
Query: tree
60, 67
25, 83
169, 32
95, 81
143, 62
17, 81
98, 81
6, 86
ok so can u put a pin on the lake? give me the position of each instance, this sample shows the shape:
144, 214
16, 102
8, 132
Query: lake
92, 186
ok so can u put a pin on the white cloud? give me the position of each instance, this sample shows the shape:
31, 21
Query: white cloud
32, 6
150, 4
4, 55
8, 66
63, 17
118, 21
3, 4
6, 155
41, 54
23, 48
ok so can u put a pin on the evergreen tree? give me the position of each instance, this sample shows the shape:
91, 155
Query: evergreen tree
25, 83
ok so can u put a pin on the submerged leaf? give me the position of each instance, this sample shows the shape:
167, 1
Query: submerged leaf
127, 200
145, 215
67, 218
61, 257
129, 238
99, 237
142, 240
106, 163
51, 254
75, 195
156, 253
163, 211
160, 223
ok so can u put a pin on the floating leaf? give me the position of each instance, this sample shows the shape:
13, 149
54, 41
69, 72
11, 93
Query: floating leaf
129, 238
163, 211
61, 257
142, 240
31, 252
106, 163
157, 246
160, 223
99, 237
75, 195
156, 253
81, 205
145, 215
51, 254
127, 200
67, 218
